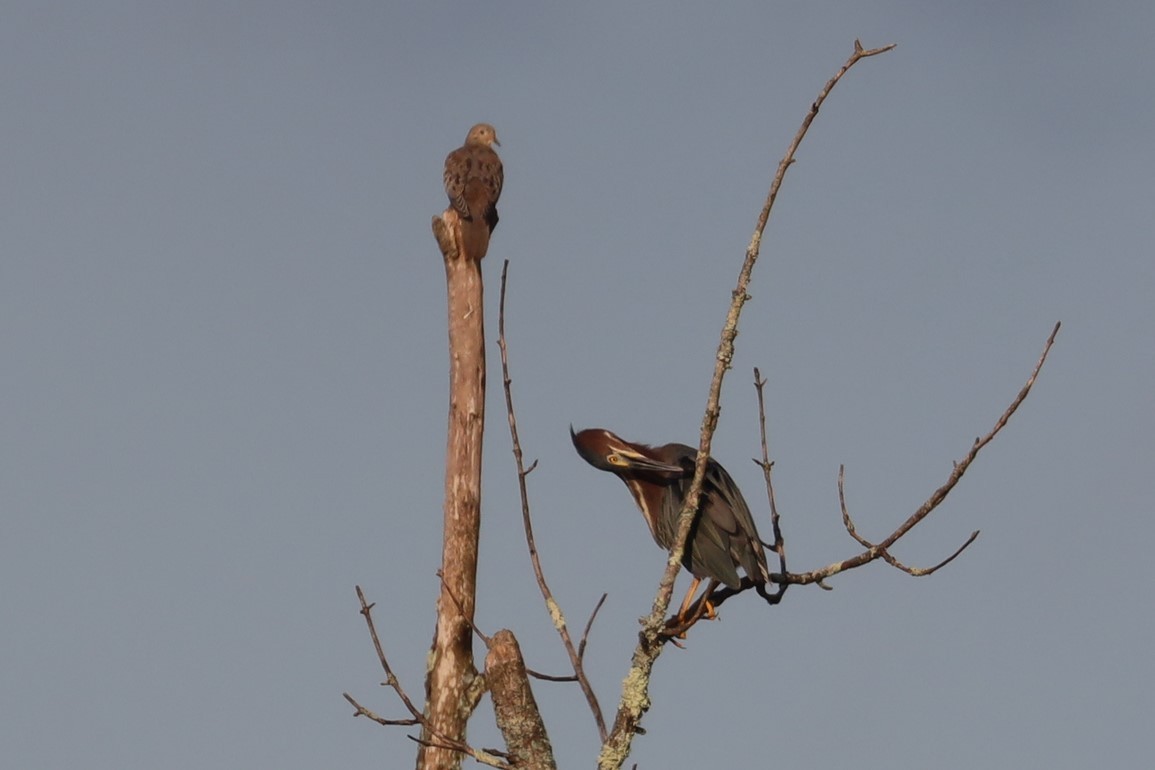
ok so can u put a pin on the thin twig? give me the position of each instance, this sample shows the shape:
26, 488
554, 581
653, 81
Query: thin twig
555, 612
924, 571
848, 522
390, 677
590, 625
483, 757
550, 677
779, 544
361, 711
453, 597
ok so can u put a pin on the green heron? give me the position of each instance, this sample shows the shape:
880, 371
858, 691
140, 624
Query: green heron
724, 536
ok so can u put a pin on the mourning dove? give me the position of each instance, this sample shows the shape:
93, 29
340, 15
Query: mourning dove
473, 179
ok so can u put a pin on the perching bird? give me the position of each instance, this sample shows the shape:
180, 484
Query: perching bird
473, 180
724, 536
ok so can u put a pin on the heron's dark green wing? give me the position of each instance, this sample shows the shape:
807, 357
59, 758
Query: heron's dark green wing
708, 548
726, 536
716, 536
728, 510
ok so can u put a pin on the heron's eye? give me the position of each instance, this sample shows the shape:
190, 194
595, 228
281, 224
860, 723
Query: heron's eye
615, 459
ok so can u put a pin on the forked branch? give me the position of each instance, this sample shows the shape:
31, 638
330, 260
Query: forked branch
881, 550
435, 739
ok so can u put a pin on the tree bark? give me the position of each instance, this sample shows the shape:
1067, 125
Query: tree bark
451, 676
518, 718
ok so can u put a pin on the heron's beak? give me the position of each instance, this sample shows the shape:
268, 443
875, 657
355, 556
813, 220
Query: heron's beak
639, 462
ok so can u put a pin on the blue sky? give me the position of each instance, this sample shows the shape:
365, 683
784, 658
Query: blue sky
222, 327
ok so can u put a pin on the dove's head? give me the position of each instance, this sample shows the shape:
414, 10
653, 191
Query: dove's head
483, 134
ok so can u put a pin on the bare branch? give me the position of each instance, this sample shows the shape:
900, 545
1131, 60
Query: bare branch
779, 544
882, 550
722, 593
559, 622
924, 571
961, 467
677, 626
590, 625
550, 677
848, 522
361, 711
390, 677
635, 690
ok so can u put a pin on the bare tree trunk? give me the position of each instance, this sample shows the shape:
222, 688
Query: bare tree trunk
526, 740
451, 684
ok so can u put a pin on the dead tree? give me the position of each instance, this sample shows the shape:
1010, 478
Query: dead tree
454, 686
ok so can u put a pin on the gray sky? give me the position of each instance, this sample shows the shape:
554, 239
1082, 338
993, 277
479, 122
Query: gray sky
224, 369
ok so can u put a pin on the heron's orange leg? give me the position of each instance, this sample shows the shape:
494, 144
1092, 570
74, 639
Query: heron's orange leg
704, 608
689, 598
691, 612
707, 604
